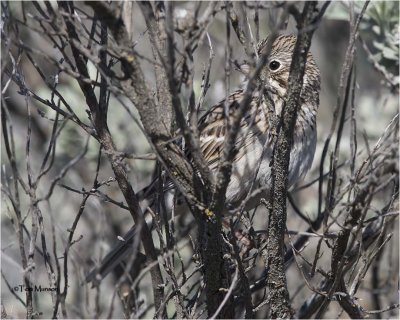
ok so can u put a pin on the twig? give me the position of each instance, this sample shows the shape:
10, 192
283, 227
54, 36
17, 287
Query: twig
228, 294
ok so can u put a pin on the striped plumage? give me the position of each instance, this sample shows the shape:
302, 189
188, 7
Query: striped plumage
254, 141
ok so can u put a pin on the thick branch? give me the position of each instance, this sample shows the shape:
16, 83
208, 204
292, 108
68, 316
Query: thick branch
278, 292
135, 88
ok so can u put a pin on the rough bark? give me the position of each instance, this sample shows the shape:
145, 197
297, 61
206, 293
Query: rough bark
278, 291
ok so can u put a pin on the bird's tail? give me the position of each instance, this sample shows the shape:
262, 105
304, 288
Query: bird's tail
117, 254
127, 244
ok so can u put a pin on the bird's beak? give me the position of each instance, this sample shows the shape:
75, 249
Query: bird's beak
269, 87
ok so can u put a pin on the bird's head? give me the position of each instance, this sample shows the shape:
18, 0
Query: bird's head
277, 69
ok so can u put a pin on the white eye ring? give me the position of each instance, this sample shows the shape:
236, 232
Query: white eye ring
274, 65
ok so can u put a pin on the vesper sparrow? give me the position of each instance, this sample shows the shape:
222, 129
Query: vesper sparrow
251, 166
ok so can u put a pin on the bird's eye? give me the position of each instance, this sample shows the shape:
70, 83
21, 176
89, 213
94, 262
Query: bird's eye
274, 65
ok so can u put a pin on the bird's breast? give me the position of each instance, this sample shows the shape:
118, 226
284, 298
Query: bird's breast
253, 169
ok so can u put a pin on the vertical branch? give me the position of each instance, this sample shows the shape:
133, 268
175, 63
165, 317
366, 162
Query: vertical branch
278, 292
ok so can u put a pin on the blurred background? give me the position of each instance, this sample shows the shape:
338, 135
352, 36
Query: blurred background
376, 103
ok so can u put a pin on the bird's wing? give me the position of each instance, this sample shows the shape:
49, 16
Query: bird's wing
212, 127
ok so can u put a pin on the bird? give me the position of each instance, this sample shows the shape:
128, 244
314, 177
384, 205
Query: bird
251, 167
